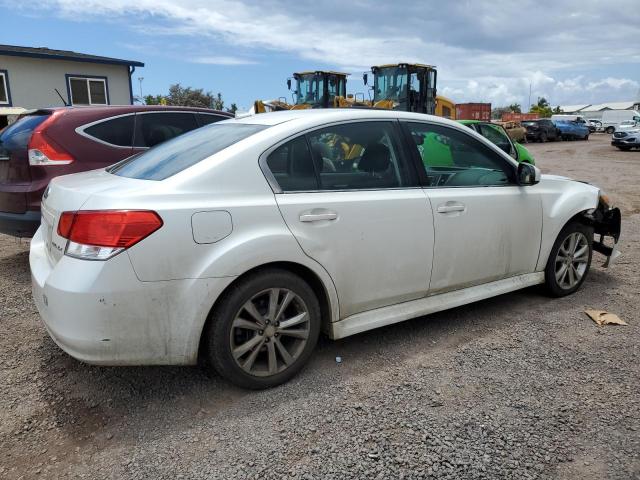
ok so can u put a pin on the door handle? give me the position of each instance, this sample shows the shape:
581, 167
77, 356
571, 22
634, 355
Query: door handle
317, 215
451, 207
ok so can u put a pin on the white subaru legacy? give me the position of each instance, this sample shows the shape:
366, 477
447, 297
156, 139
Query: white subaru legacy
239, 242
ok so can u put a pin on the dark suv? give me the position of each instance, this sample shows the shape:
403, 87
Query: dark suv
541, 130
51, 142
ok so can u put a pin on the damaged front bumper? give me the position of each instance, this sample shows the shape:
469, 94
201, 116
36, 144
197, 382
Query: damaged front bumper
606, 222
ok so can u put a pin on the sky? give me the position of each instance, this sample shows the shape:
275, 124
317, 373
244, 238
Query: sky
568, 51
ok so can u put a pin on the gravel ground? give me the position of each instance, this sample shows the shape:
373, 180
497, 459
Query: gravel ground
519, 386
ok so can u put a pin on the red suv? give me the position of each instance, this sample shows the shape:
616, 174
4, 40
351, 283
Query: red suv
51, 142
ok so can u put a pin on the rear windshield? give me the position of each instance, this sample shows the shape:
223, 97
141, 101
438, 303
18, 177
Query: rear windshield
173, 156
16, 136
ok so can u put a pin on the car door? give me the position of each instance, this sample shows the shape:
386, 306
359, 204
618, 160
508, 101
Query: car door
353, 202
486, 227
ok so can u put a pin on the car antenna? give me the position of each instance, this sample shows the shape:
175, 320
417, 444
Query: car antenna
61, 97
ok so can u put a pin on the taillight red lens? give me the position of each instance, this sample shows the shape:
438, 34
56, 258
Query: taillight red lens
108, 228
43, 150
64, 224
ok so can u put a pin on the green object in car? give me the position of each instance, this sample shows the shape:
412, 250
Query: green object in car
498, 135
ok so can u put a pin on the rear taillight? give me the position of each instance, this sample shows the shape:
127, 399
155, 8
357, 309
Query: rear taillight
43, 150
101, 234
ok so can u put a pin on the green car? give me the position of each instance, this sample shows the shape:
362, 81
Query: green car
437, 153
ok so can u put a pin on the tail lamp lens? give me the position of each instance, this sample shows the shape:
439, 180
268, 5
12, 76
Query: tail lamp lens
99, 235
44, 151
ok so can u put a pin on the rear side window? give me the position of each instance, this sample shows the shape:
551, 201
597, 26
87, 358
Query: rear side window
17, 135
206, 118
184, 151
292, 166
115, 131
155, 128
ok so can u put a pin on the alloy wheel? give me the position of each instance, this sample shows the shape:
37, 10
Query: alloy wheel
269, 332
572, 260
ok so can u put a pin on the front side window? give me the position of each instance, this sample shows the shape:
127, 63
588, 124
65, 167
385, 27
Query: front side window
114, 131
452, 158
88, 91
4, 88
350, 156
155, 128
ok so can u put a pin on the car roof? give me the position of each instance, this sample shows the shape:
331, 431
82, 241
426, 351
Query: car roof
120, 109
325, 115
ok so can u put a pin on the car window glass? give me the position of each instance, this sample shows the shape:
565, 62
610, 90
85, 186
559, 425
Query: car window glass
362, 155
497, 136
155, 128
292, 166
206, 118
17, 135
452, 158
116, 131
173, 156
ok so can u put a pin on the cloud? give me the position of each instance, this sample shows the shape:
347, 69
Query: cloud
492, 50
222, 60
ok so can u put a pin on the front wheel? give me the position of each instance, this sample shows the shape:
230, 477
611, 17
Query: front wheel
264, 330
610, 130
625, 149
543, 137
570, 259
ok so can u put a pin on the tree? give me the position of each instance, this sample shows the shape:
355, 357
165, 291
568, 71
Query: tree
542, 108
558, 110
515, 108
180, 96
233, 108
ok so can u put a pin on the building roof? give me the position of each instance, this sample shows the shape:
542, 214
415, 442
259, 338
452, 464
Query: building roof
47, 53
573, 108
611, 106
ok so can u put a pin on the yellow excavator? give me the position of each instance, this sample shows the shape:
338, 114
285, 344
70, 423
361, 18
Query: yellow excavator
401, 86
313, 89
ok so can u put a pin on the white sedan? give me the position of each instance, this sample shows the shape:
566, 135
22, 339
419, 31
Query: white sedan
240, 241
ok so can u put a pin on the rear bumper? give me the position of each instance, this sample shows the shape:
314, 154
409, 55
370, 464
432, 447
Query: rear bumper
20, 224
100, 313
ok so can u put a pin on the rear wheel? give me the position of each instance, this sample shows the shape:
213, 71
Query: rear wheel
586, 137
610, 130
264, 330
570, 259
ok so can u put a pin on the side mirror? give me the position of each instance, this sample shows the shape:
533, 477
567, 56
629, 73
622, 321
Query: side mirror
289, 83
527, 174
365, 78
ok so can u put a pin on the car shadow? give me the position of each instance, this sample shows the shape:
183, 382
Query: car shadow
89, 401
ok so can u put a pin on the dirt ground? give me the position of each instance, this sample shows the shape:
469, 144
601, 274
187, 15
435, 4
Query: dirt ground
519, 386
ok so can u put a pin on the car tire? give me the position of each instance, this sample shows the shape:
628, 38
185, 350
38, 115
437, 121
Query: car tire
625, 149
586, 137
610, 130
543, 137
558, 136
569, 263
246, 335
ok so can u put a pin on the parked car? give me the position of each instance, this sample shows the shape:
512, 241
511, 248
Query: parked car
497, 134
563, 117
46, 143
541, 130
516, 131
595, 125
611, 119
626, 139
240, 241
572, 130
